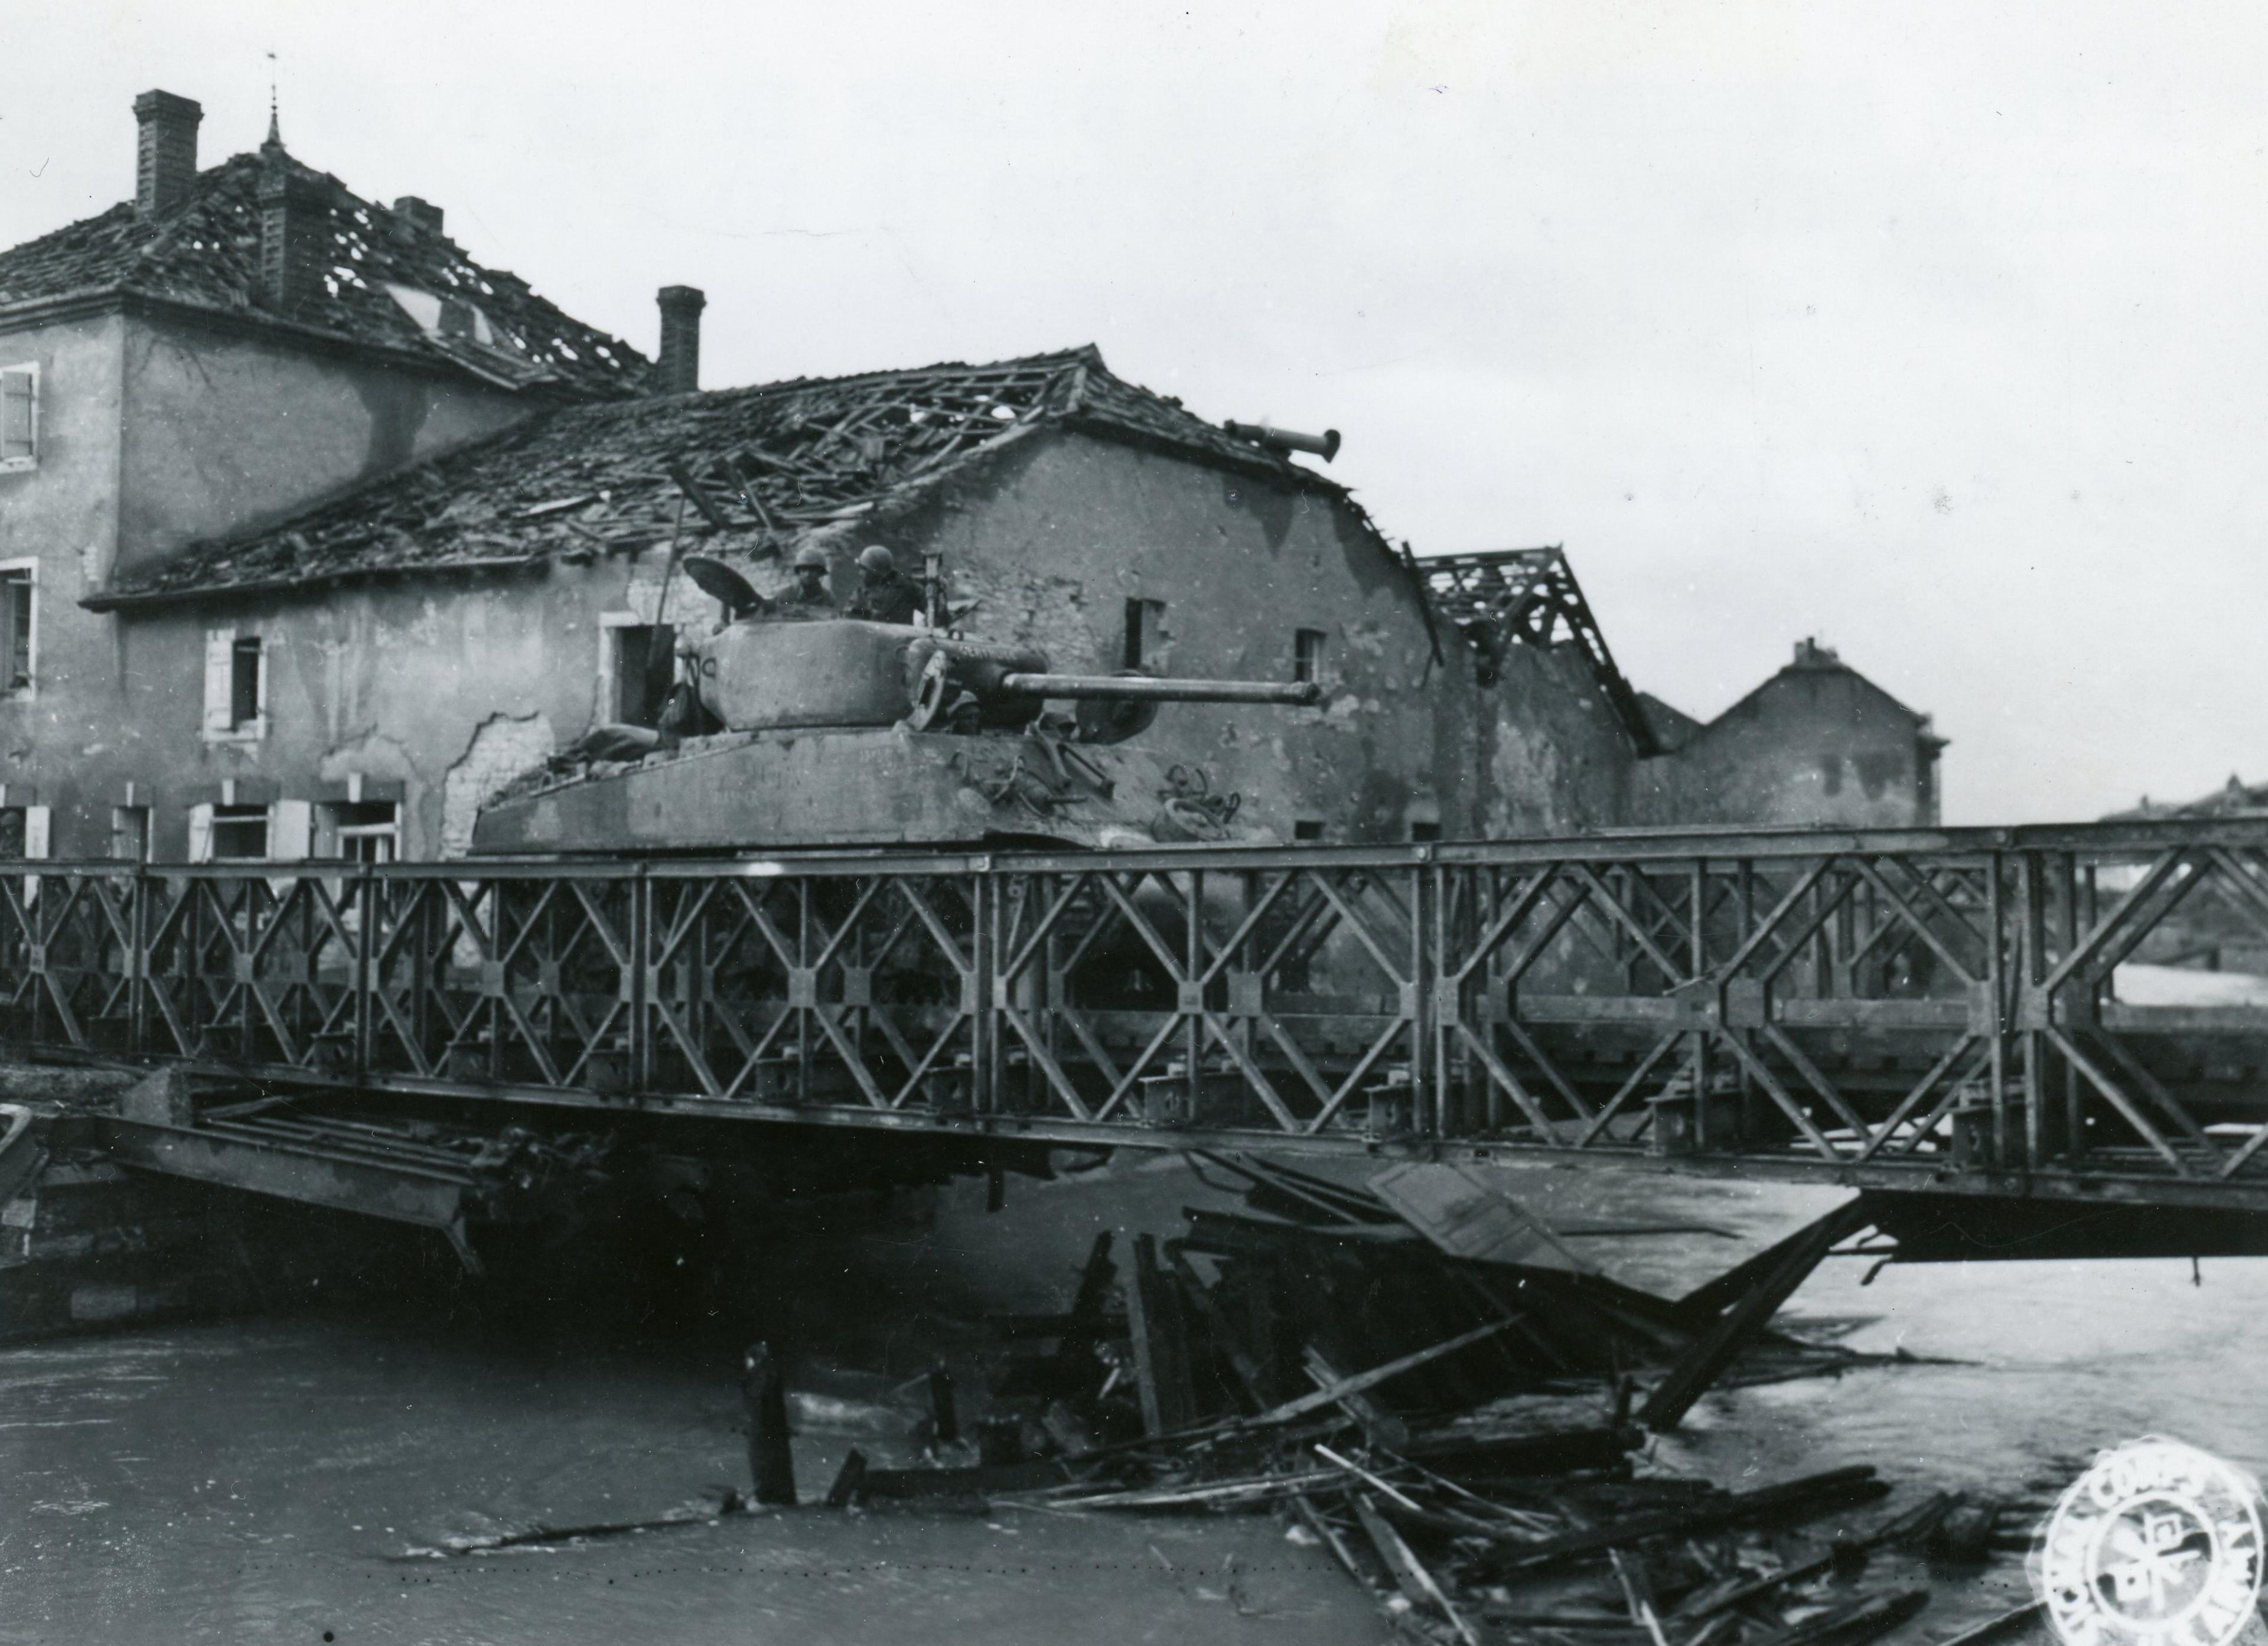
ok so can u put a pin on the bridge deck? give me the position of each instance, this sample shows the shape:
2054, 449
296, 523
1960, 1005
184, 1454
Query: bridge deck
2004, 1011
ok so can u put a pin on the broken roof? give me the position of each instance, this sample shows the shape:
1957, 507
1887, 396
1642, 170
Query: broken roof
387, 281
1529, 596
778, 461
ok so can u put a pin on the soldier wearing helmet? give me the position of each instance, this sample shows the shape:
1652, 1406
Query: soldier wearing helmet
884, 597
810, 596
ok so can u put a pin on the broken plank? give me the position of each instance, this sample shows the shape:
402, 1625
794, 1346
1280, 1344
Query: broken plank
1381, 1426
1994, 1628
1707, 1603
1212, 1493
1158, 1336
694, 490
1709, 1299
1813, 1494
848, 1480
1410, 1574
1219, 1329
1318, 1524
1714, 1350
1333, 1394
1553, 1452
1465, 1217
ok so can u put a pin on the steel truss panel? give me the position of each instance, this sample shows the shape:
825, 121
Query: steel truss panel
1944, 1007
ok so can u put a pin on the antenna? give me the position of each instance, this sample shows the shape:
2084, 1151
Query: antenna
275, 129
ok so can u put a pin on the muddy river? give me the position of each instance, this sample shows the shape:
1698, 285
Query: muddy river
290, 1478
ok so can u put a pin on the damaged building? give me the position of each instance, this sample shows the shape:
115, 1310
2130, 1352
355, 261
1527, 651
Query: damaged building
1817, 743
314, 533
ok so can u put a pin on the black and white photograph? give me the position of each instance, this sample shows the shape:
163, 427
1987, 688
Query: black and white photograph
1360, 823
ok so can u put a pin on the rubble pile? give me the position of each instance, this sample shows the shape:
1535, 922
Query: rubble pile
1457, 1429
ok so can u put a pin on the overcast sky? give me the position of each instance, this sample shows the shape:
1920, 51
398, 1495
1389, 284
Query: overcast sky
1938, 332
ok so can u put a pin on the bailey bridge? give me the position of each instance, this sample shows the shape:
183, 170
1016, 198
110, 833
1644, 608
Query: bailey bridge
2014, 1018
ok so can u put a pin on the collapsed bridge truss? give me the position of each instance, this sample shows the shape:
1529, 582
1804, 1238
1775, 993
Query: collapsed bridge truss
1954, 1010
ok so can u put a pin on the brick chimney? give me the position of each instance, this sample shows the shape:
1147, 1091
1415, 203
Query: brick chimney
166, 156
677, 367
422, 213
294, 224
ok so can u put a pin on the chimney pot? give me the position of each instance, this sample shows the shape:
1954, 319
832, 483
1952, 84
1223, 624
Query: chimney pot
294, 216
424, 213
677, 365
166, 154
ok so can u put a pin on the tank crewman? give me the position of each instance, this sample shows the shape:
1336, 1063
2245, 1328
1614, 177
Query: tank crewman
884, 597
810, 596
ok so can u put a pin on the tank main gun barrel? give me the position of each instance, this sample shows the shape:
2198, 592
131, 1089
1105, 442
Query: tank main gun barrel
1147, 688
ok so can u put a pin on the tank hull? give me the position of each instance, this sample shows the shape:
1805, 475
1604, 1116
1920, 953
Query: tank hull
880, 787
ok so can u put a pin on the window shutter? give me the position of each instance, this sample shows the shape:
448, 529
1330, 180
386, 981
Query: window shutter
35, 830
19, 414
220, 647
291, 829
200, 834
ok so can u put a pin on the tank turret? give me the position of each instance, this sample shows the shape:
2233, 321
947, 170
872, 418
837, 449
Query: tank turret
835, 731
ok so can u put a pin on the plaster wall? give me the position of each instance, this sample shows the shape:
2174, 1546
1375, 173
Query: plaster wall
433, 692
62, 515
1060, 531
228, 430
1817, 746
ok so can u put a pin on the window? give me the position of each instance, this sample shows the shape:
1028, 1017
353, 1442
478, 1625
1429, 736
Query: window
1422, 830
1308, 828
23, 833
244, 682
236, 686
129, 833
1307, 654
364, 831
19, 418
1145, 621
17, 615
239, 833
644, 666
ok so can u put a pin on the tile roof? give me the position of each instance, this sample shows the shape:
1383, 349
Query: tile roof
814, 453
207, 251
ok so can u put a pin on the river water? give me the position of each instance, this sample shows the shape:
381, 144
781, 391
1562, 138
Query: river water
287, 1479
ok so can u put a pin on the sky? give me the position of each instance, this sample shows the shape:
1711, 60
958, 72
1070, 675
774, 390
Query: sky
1935, 332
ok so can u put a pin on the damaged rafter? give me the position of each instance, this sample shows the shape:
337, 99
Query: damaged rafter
1529, 597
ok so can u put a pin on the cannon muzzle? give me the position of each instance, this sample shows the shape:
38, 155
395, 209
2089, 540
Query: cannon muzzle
1149, 689
1324, 446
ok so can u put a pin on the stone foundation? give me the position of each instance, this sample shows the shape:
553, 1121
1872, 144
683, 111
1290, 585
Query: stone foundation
87, 1246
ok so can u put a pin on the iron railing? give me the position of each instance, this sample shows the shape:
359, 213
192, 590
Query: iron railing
1982, 1008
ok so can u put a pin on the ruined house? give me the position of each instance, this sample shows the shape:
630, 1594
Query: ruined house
219, 352
1817, 743
432, 634
314, 533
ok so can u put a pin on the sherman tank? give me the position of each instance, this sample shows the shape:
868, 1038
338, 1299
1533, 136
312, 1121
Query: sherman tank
835, 731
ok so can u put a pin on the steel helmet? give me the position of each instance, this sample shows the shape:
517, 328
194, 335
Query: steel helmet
874, 557
811, 554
